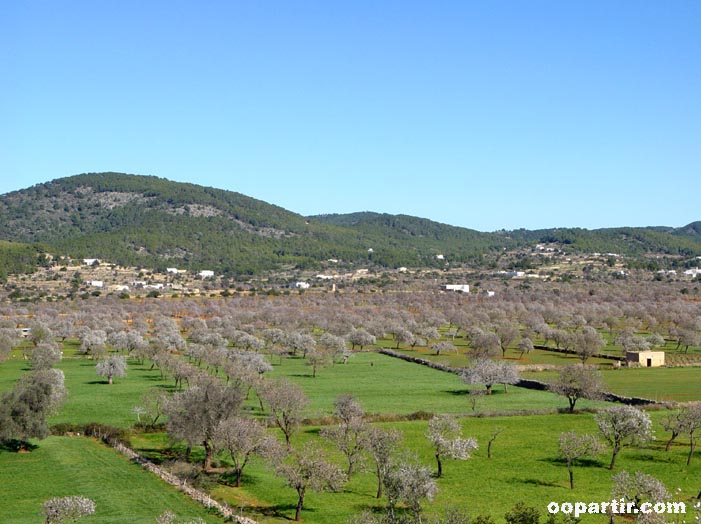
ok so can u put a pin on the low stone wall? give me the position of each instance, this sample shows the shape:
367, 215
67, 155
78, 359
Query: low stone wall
195, 494
573, 352
522, 383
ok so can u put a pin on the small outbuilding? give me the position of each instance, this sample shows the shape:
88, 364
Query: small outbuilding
646, 359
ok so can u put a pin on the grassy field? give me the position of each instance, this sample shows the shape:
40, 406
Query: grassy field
661, 384
524, 467
90, 398
383, 384
62, 466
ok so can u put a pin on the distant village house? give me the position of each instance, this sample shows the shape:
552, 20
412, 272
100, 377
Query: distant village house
462, 288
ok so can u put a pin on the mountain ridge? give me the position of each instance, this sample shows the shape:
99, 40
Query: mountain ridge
152, 221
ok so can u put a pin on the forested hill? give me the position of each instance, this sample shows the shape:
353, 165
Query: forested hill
153, 222
685, 241
150, 221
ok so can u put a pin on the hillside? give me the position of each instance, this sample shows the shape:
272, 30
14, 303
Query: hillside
142, 220
148, 221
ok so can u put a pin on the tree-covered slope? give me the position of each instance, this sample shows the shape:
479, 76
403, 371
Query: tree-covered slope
142, 220
150, 221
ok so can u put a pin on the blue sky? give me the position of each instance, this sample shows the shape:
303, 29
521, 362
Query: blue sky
488, 115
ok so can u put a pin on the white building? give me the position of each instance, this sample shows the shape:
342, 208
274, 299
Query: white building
91, 261
206, 273
96, 283
440, 257
463, 288
173, 270
302, 285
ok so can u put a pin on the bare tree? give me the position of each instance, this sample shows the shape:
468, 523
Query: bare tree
309, 470
495, 433
381, 445
507, 333
286, 402
574, 446
242, 438
112, 366
318, 359
352, 434
587, 343
67, 509
690, 416
578, 381
445, 435
623, 426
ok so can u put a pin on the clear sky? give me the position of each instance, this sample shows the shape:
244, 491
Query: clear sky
484, 114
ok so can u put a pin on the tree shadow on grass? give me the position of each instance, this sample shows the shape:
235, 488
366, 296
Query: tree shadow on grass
536, 482
579, 463
279, 511
17, 446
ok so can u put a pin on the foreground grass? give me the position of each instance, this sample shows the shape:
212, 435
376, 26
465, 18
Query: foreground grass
63, 466
524, 467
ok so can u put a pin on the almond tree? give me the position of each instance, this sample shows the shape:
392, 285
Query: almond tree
195, 414
286, 402
351, 435
489, 372
381, 444
112, 366
573, 447
578, 381
242, 438
67, 509
445, 434
623, 426
308, 470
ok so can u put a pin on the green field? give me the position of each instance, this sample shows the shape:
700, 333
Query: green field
660, 384
524, 467
62, 466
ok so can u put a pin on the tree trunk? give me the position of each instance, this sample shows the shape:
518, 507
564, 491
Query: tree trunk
379, 487
692, 445
109, 379
440, 466
572, 402
669, 442
569, 469
208, 455
238, 477
613, 457
298, 511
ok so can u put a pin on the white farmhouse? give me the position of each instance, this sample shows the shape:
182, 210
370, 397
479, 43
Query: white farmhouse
206, 273
91, 261
96, 283
302, 285
462, 288
173, 270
